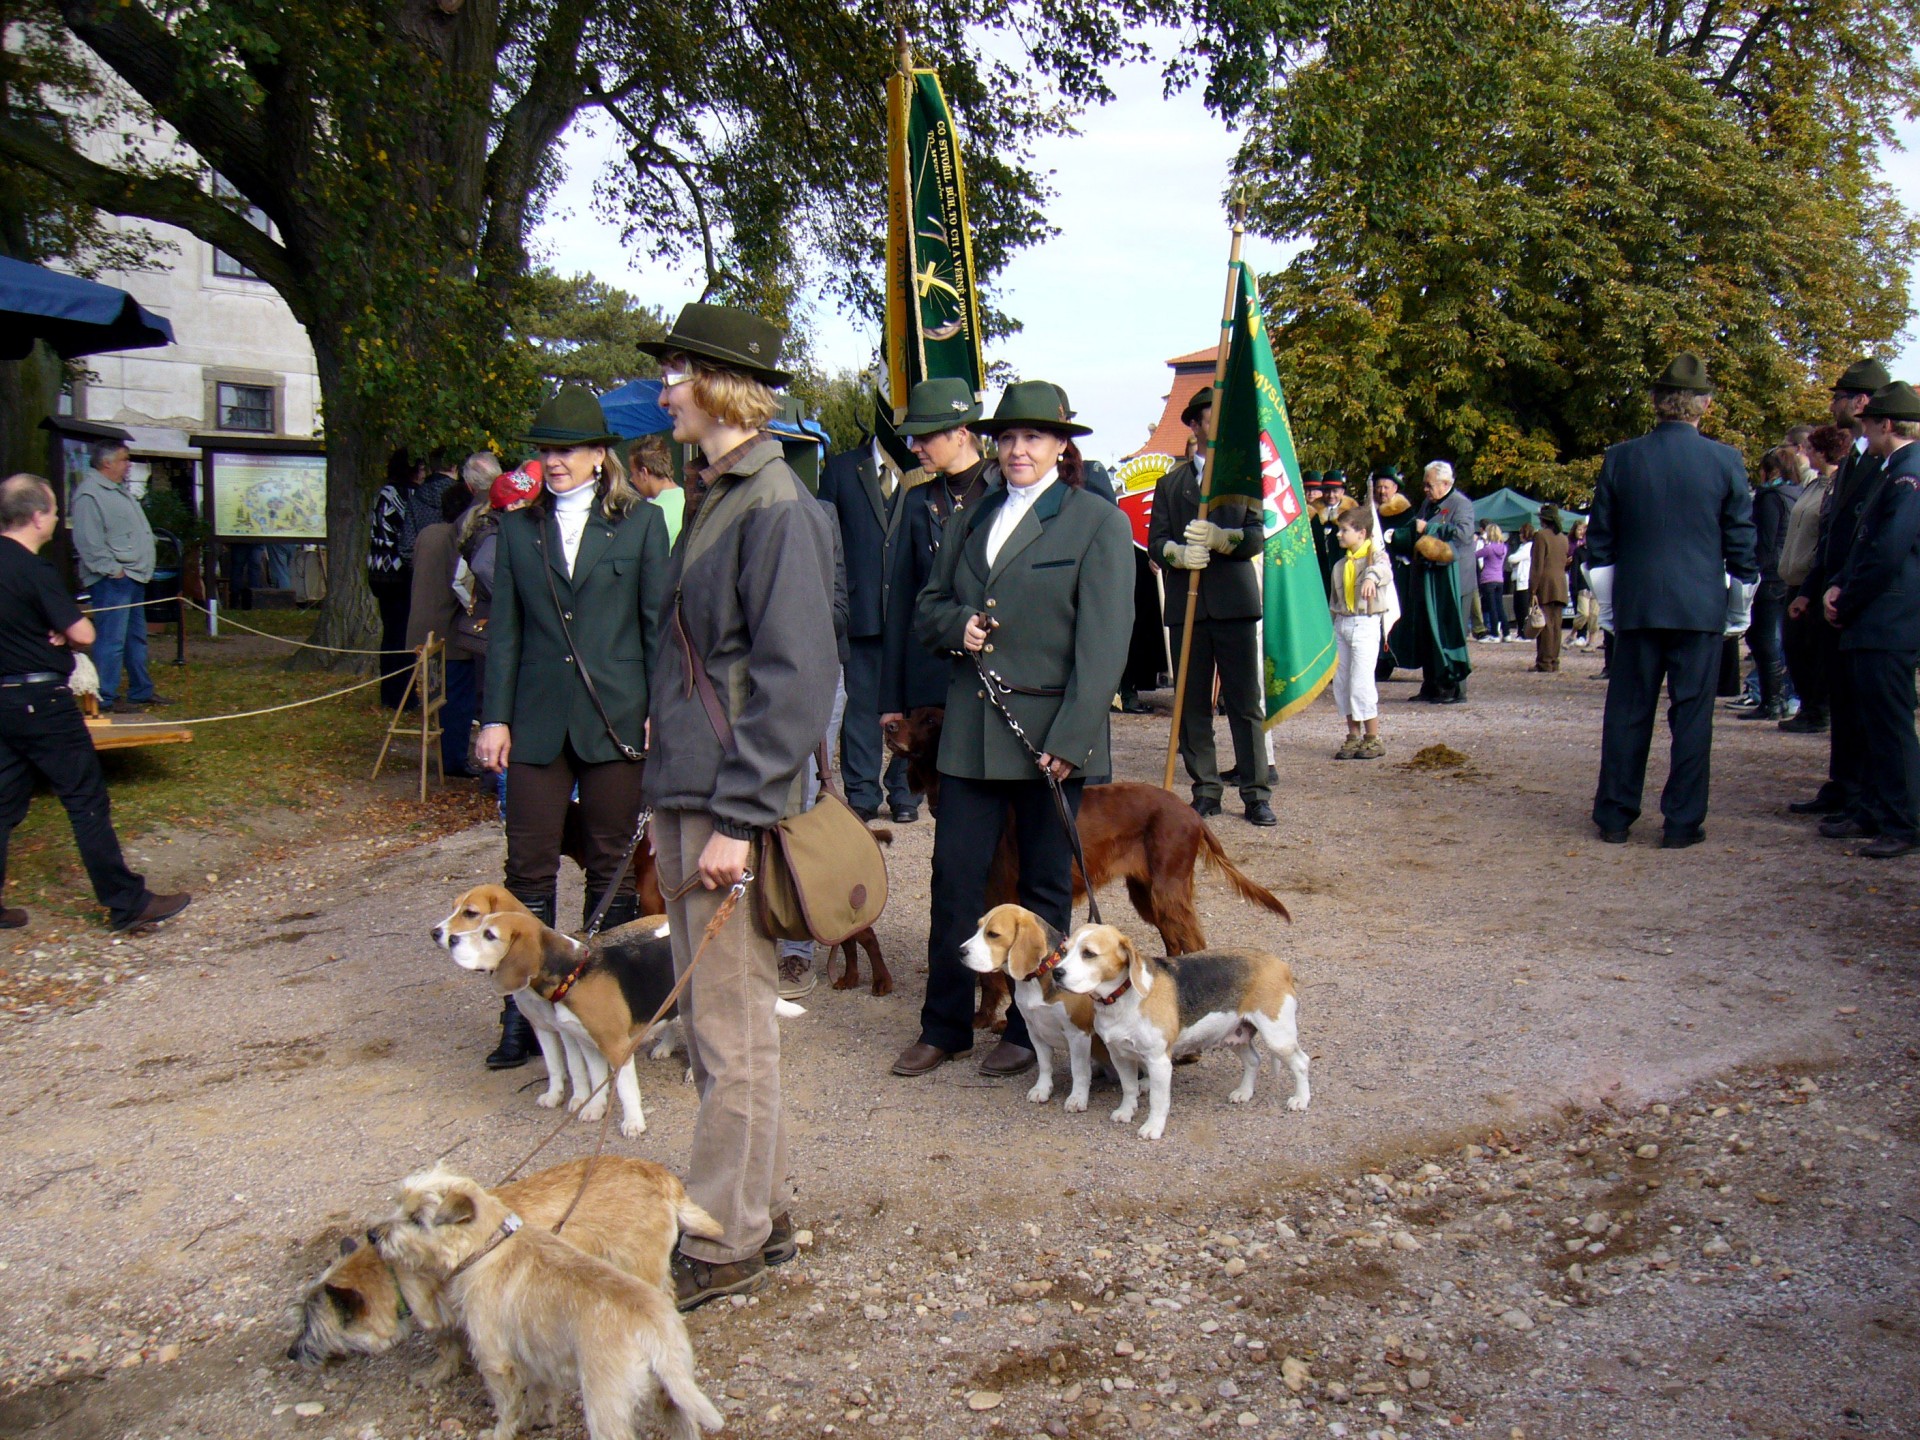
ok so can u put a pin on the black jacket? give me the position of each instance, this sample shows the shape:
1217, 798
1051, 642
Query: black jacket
1229, 587
910, 674
1772, 504
1879, 603
850, 483
1855, 484
1673, 515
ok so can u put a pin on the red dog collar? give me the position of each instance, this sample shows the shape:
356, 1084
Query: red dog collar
1125, 985
1046, 965
560, 990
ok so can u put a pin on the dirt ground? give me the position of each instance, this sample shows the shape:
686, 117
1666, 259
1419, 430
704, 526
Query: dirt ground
1604, 1141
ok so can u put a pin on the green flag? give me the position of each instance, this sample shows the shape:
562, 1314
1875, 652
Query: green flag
1254, 467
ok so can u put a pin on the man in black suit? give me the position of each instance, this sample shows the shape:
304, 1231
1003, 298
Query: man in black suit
1855, 484
1874, 605
1672, 519
865, 492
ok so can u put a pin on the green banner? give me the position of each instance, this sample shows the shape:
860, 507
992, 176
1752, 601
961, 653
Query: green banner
933, 310
1254, 465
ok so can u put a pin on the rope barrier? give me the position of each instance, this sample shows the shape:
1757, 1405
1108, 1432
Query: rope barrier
133, 605
246, 714
226, 618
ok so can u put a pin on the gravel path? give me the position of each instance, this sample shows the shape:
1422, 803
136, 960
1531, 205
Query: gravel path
1604, 1141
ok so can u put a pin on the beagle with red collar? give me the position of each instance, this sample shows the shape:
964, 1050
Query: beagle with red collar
1150, 1011
1016, 940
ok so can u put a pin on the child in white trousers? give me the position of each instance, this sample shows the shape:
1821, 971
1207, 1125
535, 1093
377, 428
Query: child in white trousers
1361, 598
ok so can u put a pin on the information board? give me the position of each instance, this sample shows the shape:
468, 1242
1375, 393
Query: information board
266, 496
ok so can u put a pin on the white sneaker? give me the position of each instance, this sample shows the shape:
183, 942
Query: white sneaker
1581, 641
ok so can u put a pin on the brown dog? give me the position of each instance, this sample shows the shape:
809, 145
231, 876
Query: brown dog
1138, 833
646, 888
630, 1215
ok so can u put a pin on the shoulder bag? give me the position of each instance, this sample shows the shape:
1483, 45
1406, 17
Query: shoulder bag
820, 875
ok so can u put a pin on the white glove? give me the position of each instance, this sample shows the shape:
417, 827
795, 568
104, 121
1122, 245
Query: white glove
1205, 532
1600, 577
1739, 605
1186, 557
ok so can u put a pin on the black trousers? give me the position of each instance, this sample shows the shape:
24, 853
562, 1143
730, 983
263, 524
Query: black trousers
1688, 661
862, 750
537, 799
1764, 640
395, 599
1232, 648
972, 815
1881, 682
1806, 651
41, 732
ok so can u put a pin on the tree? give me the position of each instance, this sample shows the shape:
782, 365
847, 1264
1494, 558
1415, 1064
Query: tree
582, 331
1514, 218
403, 148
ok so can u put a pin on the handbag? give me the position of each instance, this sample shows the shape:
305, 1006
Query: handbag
820, 874
1536, 620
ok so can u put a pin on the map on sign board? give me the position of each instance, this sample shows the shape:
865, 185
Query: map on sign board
268, 497
1133, 484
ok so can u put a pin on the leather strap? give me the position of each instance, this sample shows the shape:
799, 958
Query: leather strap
627, 752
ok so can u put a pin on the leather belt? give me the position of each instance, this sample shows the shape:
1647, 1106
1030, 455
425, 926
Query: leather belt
35, 677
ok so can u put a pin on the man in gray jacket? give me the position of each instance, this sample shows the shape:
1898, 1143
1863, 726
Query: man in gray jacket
113, 547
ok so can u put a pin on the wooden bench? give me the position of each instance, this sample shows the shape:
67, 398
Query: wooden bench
110, 734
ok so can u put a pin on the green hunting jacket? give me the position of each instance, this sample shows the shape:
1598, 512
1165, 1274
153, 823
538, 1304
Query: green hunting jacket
614, 603
1062, 592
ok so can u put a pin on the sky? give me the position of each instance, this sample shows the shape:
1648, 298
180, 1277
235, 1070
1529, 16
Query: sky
1135, 276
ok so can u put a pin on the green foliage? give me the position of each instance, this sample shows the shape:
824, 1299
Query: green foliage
842, 402
1514, 217
166, 510
582, 331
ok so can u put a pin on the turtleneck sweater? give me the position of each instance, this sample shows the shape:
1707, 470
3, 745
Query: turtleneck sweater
570, 512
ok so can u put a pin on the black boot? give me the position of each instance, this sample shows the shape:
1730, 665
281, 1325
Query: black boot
622, 910
517, 1045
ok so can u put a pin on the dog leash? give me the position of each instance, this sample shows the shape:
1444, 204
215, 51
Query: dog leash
509, 1227
996, 688
606, 896
714, 926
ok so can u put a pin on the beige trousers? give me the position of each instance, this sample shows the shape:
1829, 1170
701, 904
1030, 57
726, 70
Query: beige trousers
738, 1169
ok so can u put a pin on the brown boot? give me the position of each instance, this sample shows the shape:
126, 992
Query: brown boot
695, 1282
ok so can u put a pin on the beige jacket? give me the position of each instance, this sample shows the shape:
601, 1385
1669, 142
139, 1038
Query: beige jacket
1379, 566
1803, 532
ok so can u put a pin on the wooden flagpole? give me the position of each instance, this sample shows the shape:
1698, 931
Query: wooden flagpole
1206, 487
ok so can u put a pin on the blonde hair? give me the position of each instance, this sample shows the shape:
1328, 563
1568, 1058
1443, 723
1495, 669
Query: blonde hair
617, 494
1496, 534
731, 397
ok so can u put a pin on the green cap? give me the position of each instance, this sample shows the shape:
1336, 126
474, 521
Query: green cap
936, 405
573, 417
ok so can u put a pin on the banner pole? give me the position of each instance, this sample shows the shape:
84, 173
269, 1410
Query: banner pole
1206, 486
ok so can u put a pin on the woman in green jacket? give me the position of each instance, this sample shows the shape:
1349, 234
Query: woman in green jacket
580, 584
1035, 584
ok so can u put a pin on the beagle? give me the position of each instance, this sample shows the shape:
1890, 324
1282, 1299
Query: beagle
591, 997
1151, 1011
1014, 939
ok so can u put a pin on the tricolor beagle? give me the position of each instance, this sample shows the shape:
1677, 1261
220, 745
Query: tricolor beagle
1016, 940
1151, 1011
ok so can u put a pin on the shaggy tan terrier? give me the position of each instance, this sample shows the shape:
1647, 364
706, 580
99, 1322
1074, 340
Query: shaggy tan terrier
630, 1215
541, 1317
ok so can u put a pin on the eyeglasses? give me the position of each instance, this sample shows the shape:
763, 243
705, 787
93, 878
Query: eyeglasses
673, 377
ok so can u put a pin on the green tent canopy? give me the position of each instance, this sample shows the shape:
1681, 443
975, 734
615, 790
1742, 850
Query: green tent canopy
1509, 509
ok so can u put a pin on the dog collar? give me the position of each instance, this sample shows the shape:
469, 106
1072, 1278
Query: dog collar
1053, 960
560, 990
509, 1227
1125, 985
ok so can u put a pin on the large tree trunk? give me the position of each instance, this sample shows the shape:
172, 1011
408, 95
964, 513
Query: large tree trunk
357, 449
29, 391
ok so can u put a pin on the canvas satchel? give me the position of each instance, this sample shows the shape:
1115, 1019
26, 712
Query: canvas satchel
820, 874
1536, 620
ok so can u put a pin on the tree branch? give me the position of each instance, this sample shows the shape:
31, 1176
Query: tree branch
168, 199
644, 153
1730, 76
142, 52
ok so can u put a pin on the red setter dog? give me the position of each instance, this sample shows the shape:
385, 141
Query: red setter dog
1141, 834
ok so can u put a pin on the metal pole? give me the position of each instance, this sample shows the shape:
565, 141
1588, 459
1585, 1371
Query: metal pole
1206, 487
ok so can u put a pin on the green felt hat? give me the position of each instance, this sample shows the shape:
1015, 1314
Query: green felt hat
1863, 377
1202, 400
936, 405
1686, 371
1034, 404
1387, 472
1309, 477
1893, 402
726, 336
573, 417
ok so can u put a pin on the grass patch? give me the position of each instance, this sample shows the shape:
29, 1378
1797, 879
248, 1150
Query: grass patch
293, 767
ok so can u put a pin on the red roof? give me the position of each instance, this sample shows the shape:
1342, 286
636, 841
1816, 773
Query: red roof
1191, 374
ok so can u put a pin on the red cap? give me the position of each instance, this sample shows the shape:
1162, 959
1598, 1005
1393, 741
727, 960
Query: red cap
515, 486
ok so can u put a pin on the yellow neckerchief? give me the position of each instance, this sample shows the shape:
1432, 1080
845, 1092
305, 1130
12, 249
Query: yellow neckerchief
1356, 557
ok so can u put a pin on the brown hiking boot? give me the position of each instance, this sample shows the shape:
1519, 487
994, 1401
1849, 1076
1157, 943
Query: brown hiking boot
695, 1282
781, 1246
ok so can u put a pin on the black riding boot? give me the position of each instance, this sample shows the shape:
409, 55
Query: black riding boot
517, 1043
620, 911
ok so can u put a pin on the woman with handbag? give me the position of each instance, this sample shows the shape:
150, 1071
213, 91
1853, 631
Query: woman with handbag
579, 587
742, 696
1033, 587
1548, 589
